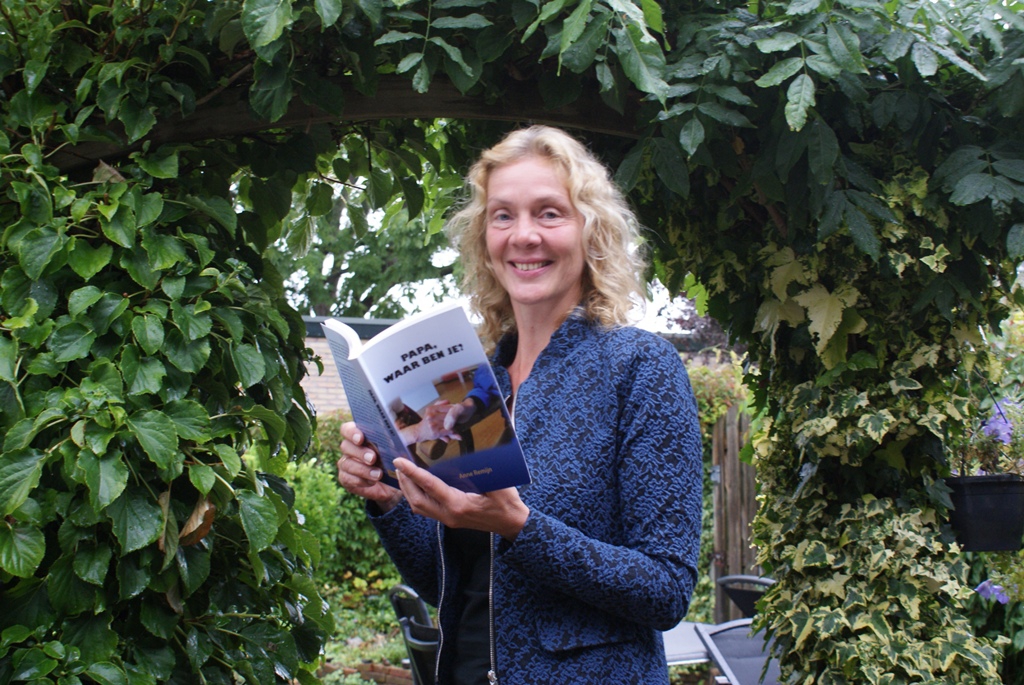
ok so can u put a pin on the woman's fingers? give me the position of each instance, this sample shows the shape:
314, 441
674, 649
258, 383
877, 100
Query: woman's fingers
501, 511
360, 471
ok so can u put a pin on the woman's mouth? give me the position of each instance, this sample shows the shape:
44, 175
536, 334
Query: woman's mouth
529, 266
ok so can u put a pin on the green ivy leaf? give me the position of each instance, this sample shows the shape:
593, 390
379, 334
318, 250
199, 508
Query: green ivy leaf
193, 567
86, 260
329, 11
22, 547
158, 618
193, 324
138, 120
191, 420
259, 519
32, 666
189, 357
265, 20
142, 375
155, 433
202, 477
34, 73
229, 458
148, 330
137, 520
19, 474
217, 208
106, 673
68, 593
81, 299
811, 553
120, 226
161, 164
92, 562
164, 251
37, 248
8, 359
248, 364
106, 477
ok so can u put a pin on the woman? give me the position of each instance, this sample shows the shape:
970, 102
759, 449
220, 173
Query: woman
569, 579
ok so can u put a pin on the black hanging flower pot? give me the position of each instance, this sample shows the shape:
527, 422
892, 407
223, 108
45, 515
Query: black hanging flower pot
988, 514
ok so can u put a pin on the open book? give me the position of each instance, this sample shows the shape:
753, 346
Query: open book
424, 390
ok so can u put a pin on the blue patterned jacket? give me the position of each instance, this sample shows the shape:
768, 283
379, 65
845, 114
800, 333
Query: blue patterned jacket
608, 555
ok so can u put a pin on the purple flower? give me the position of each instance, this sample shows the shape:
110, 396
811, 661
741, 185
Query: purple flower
999, 427
990, 590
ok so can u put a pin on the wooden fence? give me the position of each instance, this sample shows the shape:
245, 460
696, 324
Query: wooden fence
734, 494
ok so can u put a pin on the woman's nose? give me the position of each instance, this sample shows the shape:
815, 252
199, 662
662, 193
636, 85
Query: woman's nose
525, 231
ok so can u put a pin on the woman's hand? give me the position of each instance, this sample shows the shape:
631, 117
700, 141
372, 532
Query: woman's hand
501, 511
360, 470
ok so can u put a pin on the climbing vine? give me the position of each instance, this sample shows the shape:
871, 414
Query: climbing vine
841, 183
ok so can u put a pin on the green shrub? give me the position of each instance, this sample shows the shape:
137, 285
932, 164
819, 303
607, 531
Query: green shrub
351, 556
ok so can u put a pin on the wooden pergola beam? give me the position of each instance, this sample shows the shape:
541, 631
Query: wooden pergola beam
231, 116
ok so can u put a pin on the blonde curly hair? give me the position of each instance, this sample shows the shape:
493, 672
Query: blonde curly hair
614, 263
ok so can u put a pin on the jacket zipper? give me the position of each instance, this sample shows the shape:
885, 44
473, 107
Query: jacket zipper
440, 603
492, 675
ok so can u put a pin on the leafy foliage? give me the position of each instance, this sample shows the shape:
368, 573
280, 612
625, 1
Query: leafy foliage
351, 554
842, 180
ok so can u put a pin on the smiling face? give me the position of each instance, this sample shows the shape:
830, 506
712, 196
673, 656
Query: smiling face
534, 237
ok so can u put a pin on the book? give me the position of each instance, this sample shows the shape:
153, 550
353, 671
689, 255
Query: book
424, 389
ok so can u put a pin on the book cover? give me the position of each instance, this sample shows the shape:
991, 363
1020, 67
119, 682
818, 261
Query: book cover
424, 389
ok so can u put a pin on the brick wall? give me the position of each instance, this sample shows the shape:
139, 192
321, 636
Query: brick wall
324, 391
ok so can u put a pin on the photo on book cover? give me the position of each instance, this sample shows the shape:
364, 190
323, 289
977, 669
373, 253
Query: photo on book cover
465, 412
458, 414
